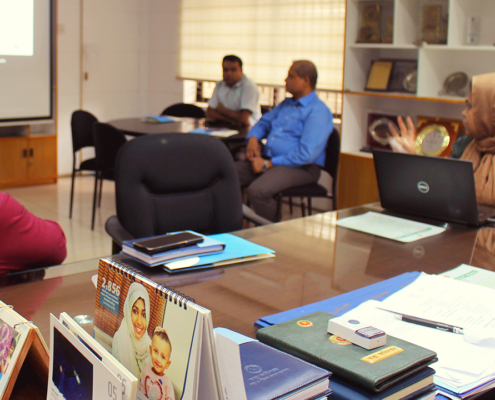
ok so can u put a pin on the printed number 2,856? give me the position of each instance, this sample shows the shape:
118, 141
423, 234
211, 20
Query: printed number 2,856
111, 286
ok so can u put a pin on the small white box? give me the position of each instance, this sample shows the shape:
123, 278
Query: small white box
357, 332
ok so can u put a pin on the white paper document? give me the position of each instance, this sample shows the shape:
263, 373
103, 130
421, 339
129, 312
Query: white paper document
402, 230
468, 273
442, 300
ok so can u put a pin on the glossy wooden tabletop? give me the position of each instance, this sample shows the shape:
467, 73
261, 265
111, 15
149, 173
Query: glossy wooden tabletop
314, 260
139, 127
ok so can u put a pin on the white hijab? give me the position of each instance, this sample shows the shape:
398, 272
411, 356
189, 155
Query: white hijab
129, 350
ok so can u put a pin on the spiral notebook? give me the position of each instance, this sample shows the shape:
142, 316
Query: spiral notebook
129, 309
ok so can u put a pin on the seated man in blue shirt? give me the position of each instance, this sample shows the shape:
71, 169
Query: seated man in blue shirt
297, 132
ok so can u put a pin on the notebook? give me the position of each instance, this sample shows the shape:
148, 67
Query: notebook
433, 187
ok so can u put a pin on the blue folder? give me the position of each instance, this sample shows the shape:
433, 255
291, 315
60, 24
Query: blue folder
159, 119
201, 130
340, 304
236, 249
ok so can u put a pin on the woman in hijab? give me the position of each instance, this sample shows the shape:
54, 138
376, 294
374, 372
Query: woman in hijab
131, 343
478, 145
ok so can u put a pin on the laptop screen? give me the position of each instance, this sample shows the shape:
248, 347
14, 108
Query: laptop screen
434, 187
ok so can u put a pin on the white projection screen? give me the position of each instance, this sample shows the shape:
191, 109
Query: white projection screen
25, 60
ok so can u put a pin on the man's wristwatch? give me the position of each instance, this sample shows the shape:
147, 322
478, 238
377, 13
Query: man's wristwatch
264, 168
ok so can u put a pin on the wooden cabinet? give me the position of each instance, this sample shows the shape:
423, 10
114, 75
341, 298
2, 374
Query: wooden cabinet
29, 160
435, 63
357, 180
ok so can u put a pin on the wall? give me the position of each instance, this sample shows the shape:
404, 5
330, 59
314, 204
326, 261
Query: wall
130, 55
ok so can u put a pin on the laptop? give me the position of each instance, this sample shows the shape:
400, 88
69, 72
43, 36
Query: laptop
433, 187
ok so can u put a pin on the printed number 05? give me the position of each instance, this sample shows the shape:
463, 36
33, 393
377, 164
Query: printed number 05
112, 391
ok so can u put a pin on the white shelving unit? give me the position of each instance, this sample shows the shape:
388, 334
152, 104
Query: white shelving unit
435, 63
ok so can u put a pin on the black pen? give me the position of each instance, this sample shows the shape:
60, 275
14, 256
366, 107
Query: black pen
430, 324
426, 322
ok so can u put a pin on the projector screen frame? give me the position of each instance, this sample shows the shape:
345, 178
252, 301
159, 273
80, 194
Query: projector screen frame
36, 119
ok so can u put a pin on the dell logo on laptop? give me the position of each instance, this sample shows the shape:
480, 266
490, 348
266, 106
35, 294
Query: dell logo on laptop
423, 187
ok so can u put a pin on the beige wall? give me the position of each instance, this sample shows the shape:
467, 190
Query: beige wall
130, 53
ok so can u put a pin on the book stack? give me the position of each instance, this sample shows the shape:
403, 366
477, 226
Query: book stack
251, 370
398, 370
215, 251
207, 246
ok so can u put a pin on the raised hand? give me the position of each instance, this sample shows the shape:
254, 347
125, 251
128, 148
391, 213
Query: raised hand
407, 137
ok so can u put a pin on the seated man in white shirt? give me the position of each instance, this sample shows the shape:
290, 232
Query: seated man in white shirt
235, 98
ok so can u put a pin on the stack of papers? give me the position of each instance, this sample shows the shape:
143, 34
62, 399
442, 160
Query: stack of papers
402, 230
344, 302
468, 273
463, 368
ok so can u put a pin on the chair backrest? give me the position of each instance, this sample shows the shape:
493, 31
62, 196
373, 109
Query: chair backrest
108, 141
184, 110
82, 129
332, 156
173, 182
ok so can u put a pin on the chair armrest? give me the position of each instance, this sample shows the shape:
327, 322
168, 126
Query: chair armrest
117, 231
251, 216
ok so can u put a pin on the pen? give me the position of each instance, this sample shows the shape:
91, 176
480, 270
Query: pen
430, 324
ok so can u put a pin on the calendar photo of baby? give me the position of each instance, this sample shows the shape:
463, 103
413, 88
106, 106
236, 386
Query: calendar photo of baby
150, 331
154, 384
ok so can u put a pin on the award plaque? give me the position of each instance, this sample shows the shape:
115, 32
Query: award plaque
433, 29
379, 75
370, 28
410, 82
378, 133
388, 29
436, 135
404, 76
455, 84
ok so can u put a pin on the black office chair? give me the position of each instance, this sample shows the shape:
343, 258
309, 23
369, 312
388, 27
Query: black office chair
332, 154
172, 182
108, 141
82, 136
184, 110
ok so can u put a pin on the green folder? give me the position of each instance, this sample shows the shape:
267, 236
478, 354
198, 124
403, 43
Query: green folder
307, 338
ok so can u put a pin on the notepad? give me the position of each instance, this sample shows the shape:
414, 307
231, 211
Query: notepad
400, 229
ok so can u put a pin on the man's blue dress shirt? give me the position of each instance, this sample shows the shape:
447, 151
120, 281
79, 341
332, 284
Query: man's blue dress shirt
297, 131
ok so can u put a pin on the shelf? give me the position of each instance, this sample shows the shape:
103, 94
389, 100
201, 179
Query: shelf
382, 46
435, 63
443, 47
454, 100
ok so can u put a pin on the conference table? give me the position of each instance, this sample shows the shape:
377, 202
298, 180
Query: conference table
139, 126
315, 260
